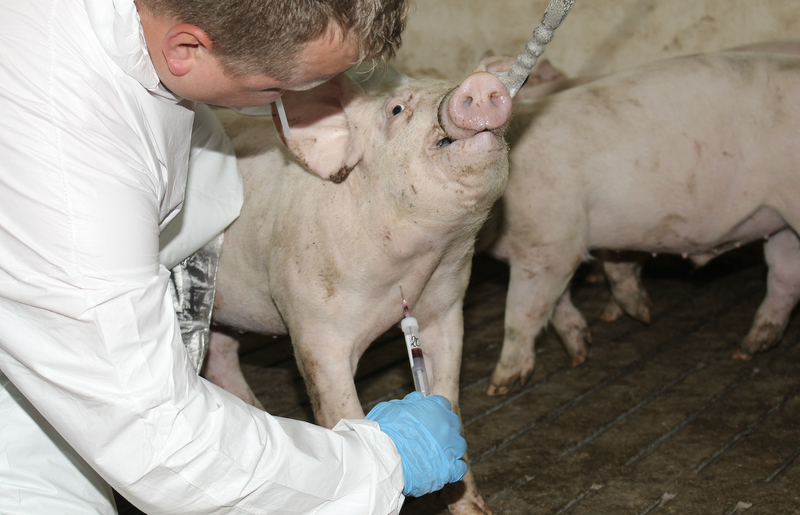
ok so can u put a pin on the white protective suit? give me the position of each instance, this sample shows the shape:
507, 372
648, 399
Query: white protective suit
93, 158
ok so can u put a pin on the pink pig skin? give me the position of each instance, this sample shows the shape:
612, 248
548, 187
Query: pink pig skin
324, 261
692, 156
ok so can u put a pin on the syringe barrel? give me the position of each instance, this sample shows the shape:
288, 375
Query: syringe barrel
410, 328
420, 377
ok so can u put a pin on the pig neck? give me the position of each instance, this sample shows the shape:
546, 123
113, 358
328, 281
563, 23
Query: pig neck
434, 204
402, 233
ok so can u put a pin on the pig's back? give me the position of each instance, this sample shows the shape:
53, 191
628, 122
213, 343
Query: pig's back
699, 138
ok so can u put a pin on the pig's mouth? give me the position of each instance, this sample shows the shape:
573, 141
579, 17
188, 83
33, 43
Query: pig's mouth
447, 140
443, 142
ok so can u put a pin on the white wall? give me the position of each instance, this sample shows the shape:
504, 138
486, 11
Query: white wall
445, 38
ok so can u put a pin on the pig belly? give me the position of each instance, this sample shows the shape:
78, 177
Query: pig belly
697, 237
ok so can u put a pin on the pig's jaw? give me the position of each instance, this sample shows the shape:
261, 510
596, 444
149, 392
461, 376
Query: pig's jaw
483, 141
457, 188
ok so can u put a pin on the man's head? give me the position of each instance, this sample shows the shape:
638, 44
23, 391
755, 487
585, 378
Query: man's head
264, 45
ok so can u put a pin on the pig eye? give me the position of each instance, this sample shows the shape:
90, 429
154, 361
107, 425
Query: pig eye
397, 110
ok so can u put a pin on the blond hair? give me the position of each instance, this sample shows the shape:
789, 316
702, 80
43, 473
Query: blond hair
263, 36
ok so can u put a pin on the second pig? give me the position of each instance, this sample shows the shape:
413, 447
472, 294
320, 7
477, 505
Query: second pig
693, 155
414, 171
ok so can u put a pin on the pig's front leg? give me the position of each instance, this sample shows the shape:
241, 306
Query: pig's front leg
462, 498
328, 365
782, 253
222, 366
442, 342
536, 283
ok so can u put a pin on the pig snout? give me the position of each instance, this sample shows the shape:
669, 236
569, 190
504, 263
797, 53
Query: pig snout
480, 103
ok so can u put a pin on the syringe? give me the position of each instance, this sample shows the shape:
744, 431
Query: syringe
410, 330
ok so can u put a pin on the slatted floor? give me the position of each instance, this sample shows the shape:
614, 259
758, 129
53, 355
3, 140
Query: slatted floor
659, 420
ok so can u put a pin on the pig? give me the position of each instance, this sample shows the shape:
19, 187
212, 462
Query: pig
414, 170
621, 270
694, 155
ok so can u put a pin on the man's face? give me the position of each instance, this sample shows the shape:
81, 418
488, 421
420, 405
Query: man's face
319, 61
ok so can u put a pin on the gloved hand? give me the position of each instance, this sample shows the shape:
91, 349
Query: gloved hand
428, 438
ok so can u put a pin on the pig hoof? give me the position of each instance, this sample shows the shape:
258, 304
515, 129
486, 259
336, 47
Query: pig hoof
578, 360
741, 355
470, 508
468, 504
497, 390
506, 374
612, 312
763, 336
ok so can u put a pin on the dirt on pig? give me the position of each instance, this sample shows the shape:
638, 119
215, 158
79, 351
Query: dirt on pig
659, 420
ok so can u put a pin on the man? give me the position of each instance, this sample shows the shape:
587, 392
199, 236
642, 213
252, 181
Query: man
96, 389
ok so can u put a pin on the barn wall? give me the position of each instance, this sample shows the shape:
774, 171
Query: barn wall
445, 38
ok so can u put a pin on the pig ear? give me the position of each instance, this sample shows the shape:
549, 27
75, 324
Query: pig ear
494, 63
546, 72
320, 134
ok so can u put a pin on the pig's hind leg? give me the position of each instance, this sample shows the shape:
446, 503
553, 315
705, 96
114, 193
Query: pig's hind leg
782, 254
627, 291
222, 367
572, 328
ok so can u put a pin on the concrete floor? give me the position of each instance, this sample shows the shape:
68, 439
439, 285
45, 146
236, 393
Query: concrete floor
660, 419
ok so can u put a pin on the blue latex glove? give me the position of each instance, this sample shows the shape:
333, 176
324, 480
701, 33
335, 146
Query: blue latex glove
428, 438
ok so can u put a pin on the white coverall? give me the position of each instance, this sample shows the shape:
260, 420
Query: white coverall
93, 158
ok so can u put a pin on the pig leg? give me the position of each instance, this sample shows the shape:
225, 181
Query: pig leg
782, 253
462, 498
222, 367
534, 288
328, 368
444, 370
627, 291
572, 328
443, 362
612, 311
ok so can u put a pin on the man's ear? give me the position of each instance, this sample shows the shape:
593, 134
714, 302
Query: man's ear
181, 46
